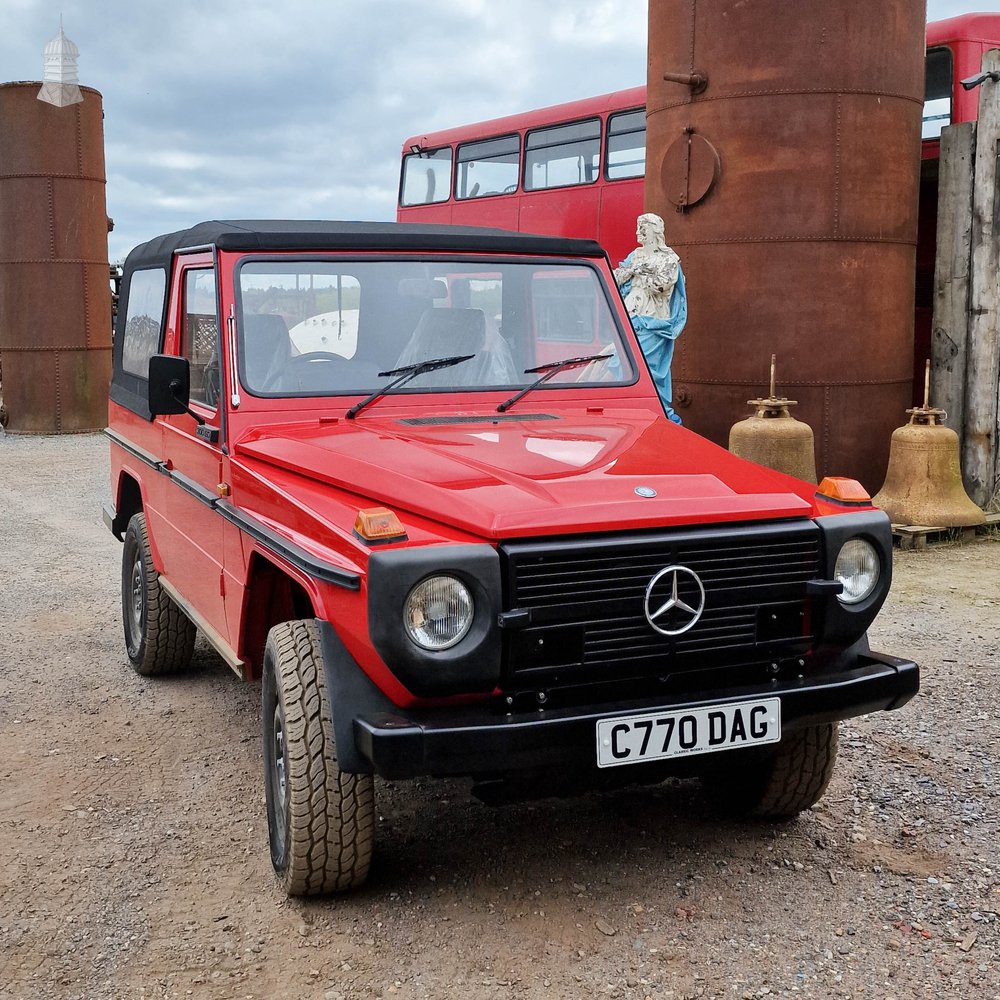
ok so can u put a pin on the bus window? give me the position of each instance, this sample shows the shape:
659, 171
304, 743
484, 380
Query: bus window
488, 167
564, 155
937, 93
568, 320
426, 177
626, 155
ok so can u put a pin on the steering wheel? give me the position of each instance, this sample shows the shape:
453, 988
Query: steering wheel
303, 361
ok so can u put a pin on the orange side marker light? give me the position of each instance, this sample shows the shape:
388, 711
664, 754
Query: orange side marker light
844, 490
378, 524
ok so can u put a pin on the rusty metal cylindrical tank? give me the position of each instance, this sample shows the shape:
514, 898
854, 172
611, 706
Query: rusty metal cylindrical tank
55, 303
783, 155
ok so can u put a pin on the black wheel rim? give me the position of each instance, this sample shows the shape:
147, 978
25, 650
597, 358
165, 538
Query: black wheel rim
135, 604
277, 779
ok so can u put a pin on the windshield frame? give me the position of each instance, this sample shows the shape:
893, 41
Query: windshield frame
611, 296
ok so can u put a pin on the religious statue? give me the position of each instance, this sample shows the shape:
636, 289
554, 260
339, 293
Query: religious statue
652, 283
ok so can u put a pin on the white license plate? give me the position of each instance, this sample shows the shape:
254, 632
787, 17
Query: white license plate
632, 739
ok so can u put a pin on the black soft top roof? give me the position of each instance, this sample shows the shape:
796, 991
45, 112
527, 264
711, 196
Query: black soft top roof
274, 234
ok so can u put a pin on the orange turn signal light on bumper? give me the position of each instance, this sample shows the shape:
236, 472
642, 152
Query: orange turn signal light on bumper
378, 524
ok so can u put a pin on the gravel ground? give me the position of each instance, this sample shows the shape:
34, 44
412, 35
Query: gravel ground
133, 853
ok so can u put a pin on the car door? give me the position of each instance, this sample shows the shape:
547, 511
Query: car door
192, 550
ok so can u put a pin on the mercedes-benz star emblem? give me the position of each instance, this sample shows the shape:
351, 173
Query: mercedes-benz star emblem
675, 600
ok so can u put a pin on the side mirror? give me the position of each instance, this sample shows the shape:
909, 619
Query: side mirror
169, 384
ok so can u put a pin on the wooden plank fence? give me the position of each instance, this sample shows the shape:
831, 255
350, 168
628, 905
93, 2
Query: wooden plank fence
966, 329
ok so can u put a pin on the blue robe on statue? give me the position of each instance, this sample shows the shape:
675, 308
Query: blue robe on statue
657, 336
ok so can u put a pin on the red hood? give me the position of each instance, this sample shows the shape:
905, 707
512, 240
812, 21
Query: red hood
515, 476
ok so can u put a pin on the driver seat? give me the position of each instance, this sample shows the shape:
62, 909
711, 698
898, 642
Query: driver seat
266, 348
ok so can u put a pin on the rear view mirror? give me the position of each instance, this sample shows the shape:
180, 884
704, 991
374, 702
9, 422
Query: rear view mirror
169, 384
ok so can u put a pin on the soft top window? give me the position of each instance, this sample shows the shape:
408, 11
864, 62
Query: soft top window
143, 333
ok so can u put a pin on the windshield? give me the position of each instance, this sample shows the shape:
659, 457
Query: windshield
321, 327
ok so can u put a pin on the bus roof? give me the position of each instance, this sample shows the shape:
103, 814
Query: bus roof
620, 100
983, 26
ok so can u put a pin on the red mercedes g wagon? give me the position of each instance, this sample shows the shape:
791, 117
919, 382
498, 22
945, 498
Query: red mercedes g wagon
417, 481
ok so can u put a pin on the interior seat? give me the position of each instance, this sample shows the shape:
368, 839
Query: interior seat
442, 333
266, 348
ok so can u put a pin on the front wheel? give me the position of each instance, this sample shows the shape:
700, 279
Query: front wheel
159, 637
320, 821
782, 782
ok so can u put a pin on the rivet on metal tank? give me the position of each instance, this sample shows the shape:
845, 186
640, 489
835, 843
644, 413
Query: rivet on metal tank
771, 436
923, 485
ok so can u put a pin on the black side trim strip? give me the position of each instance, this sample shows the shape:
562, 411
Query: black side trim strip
259, 532
298, 557
134, 450
196, 490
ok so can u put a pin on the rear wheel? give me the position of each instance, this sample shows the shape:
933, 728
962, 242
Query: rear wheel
159, 637
782, 782
320, 821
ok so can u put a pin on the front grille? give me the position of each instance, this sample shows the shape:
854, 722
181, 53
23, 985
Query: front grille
585, 597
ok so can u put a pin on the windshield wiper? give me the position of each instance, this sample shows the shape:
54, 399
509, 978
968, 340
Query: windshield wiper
552, 368
406, 373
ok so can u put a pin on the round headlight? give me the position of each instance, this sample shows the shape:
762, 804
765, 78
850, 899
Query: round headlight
438, 612
857, 569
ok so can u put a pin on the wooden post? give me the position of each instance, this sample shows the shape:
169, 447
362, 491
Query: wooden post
979, 453
950, 331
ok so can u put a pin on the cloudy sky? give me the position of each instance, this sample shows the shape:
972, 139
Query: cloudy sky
221, 109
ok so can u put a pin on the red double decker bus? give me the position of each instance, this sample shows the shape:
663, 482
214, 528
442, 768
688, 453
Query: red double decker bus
574, 169
578, 169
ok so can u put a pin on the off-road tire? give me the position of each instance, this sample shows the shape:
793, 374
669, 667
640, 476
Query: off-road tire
159, 637
782, 782
321, 821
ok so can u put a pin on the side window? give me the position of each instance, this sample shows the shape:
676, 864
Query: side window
626, 145
489, 167
426, 177
143, 320
564, 155
200, 335
937, 93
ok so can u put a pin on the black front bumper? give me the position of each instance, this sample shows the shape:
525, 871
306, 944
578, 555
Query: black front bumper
478, 741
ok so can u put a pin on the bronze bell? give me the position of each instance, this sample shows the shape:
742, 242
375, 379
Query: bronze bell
773, 437
923, 484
